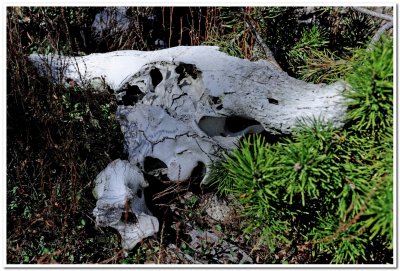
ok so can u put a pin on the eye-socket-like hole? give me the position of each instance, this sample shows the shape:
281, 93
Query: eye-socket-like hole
184, 70
236, 124
215, 100
151, 164
139, 193
273, 101
156, 76
132, 95
212, 126
229, 126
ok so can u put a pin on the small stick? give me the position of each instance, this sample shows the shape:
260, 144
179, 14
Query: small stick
268, 52
180, 40
379, 33
170, 26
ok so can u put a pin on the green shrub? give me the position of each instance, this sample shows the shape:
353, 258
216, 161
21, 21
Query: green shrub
311, 60
337, 184
248, 174
371, 95
325, 50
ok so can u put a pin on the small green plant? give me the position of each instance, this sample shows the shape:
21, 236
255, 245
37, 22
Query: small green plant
105, 110
325, 51
193, 201
312, 60
313, 39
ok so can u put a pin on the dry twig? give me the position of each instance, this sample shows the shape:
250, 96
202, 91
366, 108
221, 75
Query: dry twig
267, 51
373, 13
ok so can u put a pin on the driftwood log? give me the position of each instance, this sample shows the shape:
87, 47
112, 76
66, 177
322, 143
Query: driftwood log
182, 106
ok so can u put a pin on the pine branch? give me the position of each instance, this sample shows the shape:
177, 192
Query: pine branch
346, 226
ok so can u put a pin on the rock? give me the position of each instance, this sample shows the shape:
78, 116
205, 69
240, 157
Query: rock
217, 209
219, 250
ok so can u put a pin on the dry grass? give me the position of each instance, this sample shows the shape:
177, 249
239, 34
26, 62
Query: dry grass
59, 139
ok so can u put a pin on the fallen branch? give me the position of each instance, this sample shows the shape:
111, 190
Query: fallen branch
382, 29
373, 13
379, 33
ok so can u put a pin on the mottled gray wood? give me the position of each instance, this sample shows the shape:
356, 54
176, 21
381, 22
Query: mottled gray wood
183, 106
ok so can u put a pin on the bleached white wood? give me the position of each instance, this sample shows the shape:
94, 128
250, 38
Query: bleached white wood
182, 106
